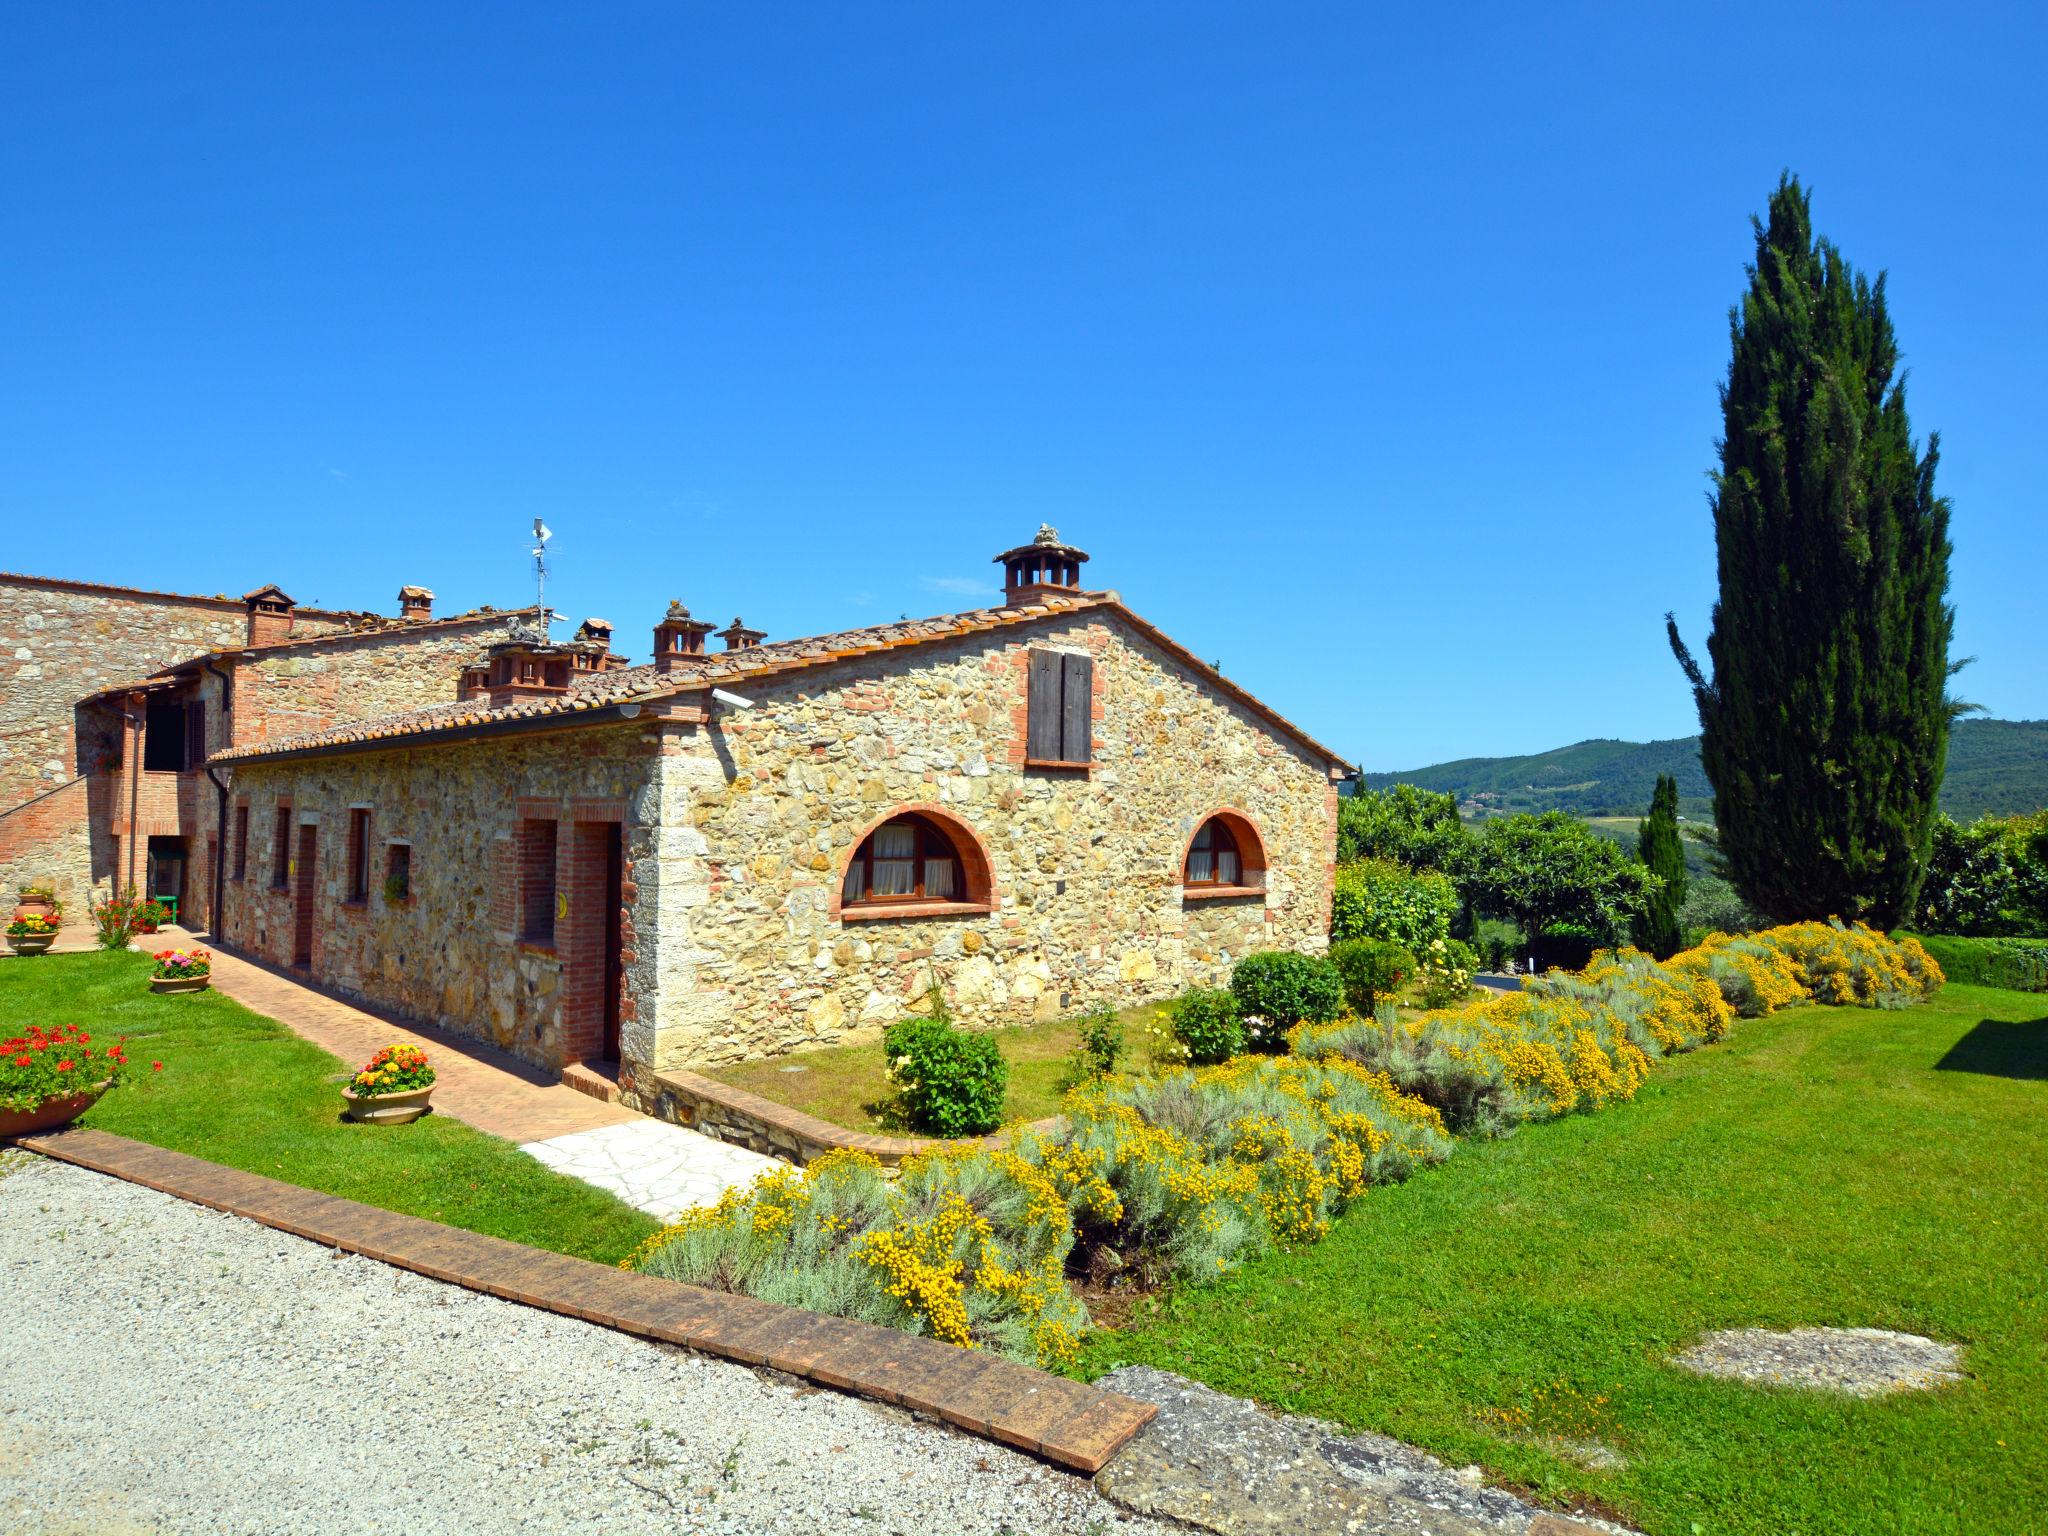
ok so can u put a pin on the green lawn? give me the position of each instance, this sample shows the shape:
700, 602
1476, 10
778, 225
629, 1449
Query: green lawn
241, 1089
1826, 1166
845, 1084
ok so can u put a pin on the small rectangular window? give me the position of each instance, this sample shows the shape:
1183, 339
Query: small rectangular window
398, 872
358, 855
163, 738
281, 847
241, 842
1059, 711
537, 881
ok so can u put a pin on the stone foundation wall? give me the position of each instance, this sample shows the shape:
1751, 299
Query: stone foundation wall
763, 808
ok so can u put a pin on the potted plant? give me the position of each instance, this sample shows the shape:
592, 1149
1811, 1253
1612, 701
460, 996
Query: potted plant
31, 935
392, 1088
39, 901
50, 1077
181, 970
149, 916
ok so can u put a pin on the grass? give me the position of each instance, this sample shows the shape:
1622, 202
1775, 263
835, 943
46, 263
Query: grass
845, 1084
1825, 1166
241, 1089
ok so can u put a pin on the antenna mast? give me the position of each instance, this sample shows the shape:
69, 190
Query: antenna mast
541, 534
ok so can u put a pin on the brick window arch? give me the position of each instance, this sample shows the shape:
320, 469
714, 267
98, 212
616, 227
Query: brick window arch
916, 861
1225, 856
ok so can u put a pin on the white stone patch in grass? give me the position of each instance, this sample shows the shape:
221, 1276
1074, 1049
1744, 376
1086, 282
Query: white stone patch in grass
663, 1169
1860, 1362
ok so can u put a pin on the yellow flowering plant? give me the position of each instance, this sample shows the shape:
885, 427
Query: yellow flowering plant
395, 1069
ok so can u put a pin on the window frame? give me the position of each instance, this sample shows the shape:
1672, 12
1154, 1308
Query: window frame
358, 856
281, 851
930, 836
539, 885
1241, 835
397, 852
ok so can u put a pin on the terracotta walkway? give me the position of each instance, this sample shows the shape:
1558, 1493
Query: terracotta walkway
490, 1089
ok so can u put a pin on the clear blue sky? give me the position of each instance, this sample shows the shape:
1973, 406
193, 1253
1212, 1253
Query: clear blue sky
1371, 351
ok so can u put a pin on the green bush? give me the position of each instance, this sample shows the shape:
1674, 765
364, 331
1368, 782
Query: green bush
1099, 1051
2020, 964
1277, 989
1379, 899
1206, 1023
1566, 946
1373, 971
1446, 973
950, 1082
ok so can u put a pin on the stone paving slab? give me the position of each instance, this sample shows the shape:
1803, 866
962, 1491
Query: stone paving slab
1065, 1422
661, 1168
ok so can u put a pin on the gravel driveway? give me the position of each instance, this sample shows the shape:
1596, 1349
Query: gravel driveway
168, 1368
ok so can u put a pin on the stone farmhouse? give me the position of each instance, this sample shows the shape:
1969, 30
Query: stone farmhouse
611, 868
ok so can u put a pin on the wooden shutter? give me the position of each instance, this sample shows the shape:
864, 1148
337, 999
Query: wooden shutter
1076, 697
1042, 739
195, 734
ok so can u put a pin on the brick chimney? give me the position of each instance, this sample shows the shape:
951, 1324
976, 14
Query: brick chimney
676, 636
1043, 568
270, 615
738, 637
415, 604
597, 632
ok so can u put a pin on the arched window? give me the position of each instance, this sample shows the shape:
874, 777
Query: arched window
1212, 856
1224, 857
908, 858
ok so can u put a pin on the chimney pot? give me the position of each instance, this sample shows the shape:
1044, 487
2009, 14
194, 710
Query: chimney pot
1043, 568
677, 636
738, 637
270, 615
415, 603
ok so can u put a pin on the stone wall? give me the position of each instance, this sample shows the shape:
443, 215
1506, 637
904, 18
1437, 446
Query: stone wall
762, 809
451, 955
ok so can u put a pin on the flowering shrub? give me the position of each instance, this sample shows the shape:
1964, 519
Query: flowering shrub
182, 964
39, 1065
1569, 1042
1380, 899
1206, 1026
34, 926
1277, 989
1445, 974
395, 1069
150, 915
966, 1245
114, 919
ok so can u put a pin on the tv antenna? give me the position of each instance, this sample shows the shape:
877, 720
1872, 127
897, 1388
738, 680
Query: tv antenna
541, 534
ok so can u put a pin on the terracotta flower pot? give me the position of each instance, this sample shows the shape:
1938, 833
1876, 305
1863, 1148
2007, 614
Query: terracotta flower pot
49, 1114
35, 906
180, 983
388, 1108
30, 943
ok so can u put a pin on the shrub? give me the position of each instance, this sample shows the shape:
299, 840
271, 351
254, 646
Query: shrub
1373, 971
1565, 946
114, 919
395, 1069
1277, 989
1498, 943
950, 1082
2020, 964
1988, 879
39, 1065
1446, 973
1206, 1024
966, 1245
1570, 1042
1712, 905
1379, 899
1099, 1052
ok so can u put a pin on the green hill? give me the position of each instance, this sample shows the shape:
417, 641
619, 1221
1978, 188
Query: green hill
1993, 765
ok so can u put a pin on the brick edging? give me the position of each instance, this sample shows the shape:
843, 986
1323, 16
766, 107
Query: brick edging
1076, 1426
762, 1125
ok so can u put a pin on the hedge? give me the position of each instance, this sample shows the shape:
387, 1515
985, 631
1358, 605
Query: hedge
2020, 964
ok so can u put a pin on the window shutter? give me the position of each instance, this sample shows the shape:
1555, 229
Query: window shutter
195, 734
1042, 738
1077, 693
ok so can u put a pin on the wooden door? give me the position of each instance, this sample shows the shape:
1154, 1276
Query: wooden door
614, 945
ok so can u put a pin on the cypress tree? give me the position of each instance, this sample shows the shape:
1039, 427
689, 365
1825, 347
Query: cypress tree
1825, 726
1658, 845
